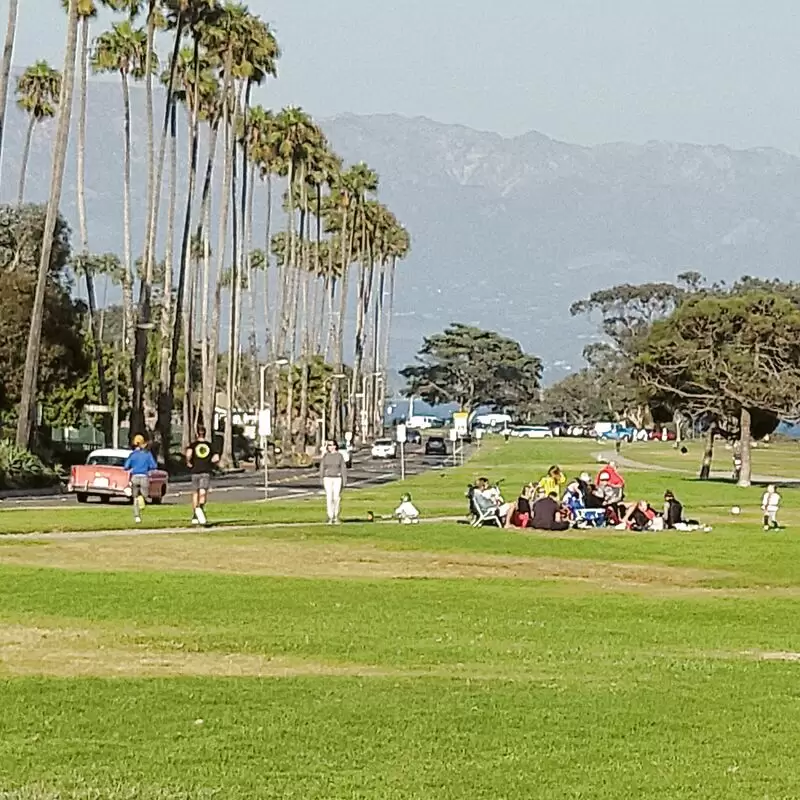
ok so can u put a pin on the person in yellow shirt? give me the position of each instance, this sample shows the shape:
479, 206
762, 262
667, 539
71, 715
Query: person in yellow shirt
554, 482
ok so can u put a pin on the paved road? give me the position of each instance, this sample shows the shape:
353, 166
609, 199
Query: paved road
284, 483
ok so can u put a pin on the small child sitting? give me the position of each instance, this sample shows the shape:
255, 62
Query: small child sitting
407, 512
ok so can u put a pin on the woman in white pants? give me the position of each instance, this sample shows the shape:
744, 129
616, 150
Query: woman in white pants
333, 472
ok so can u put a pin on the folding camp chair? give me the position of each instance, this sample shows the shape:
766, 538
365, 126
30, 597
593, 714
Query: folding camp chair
484, 511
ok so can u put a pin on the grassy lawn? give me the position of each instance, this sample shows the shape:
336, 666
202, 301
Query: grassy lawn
386, 661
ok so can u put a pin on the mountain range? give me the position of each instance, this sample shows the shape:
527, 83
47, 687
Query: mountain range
506, 232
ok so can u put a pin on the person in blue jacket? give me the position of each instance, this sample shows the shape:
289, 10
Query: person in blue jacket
140, 463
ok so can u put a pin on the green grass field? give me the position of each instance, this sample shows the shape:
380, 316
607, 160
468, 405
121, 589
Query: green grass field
386, 661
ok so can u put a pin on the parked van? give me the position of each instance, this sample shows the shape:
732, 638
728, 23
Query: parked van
423, 422
492, 420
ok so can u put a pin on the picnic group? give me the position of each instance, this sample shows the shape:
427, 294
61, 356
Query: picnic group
555, 503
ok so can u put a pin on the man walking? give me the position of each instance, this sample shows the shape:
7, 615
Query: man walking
201, 460
333, 472
140, 463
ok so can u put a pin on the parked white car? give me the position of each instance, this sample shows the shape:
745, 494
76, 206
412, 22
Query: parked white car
384, 448
532, 432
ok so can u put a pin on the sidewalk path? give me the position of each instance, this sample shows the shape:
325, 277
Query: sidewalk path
717, 475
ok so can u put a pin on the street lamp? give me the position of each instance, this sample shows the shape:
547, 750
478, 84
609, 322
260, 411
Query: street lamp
264, 421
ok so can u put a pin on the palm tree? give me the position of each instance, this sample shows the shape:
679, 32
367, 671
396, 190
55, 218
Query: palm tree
87, 10
247, 52
5, 67
399, 245
123, 49
295, 136
38, 90
29, 377
364, 181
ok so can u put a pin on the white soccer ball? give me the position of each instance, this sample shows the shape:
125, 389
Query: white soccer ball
736, 510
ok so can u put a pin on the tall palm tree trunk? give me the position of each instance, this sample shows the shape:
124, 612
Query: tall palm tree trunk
348, 242
166, 405
376, 418
5, 68
83, 226
203, 233
252, 343
228, 456
387, 330
268, 329
26, 154
165, 323
358, 356
137, 423
210, 379
29, 377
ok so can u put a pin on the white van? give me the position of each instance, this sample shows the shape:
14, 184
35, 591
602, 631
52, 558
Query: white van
492, 420
422, 422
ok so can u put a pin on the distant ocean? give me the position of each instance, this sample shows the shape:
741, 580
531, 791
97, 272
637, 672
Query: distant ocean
397, 409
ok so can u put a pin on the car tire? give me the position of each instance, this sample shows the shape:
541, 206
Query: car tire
82, 497
156, 501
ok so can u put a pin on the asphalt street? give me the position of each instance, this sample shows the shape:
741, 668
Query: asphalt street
245, 487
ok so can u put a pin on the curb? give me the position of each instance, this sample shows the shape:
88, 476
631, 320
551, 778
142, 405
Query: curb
13, 494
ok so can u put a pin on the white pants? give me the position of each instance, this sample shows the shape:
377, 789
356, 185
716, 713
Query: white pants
333, 496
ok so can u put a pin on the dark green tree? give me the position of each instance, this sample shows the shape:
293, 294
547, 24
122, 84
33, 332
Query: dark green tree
732, 354
473, 367
63, 353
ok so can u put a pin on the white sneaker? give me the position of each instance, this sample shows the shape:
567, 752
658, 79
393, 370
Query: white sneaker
195, 521
137, 520
201, 515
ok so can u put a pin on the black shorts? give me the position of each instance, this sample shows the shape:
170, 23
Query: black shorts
201, 481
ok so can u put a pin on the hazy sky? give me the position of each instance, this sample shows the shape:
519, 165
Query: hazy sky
580, 70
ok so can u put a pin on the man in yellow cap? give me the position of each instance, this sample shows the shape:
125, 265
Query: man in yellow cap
140, 463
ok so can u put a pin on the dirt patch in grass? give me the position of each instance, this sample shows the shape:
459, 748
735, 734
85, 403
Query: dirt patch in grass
60, 652
775, 656
333, 560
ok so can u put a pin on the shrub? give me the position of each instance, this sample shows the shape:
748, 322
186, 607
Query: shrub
21, 469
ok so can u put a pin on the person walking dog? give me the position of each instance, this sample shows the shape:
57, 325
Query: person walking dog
333, 472
140, 463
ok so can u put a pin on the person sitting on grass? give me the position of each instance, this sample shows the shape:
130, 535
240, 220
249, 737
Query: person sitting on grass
547, 514
673, 511
639, 517
554, 481
407, 512
492, 493
573, 498
520, 514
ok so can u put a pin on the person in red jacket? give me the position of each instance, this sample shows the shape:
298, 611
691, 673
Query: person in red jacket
611, 476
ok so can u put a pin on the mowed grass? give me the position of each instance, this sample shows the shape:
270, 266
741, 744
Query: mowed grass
387, 661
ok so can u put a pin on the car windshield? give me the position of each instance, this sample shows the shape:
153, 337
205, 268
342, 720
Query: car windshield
383, 443
106, 461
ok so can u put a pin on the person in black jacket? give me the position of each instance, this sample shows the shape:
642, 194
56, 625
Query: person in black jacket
673, 510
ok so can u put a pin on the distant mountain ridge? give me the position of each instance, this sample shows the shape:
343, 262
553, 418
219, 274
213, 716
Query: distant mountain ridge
507, 232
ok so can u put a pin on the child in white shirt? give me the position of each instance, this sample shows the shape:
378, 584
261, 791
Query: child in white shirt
407, 512
770, 504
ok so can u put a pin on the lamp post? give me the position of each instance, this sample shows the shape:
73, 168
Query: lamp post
264, 418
